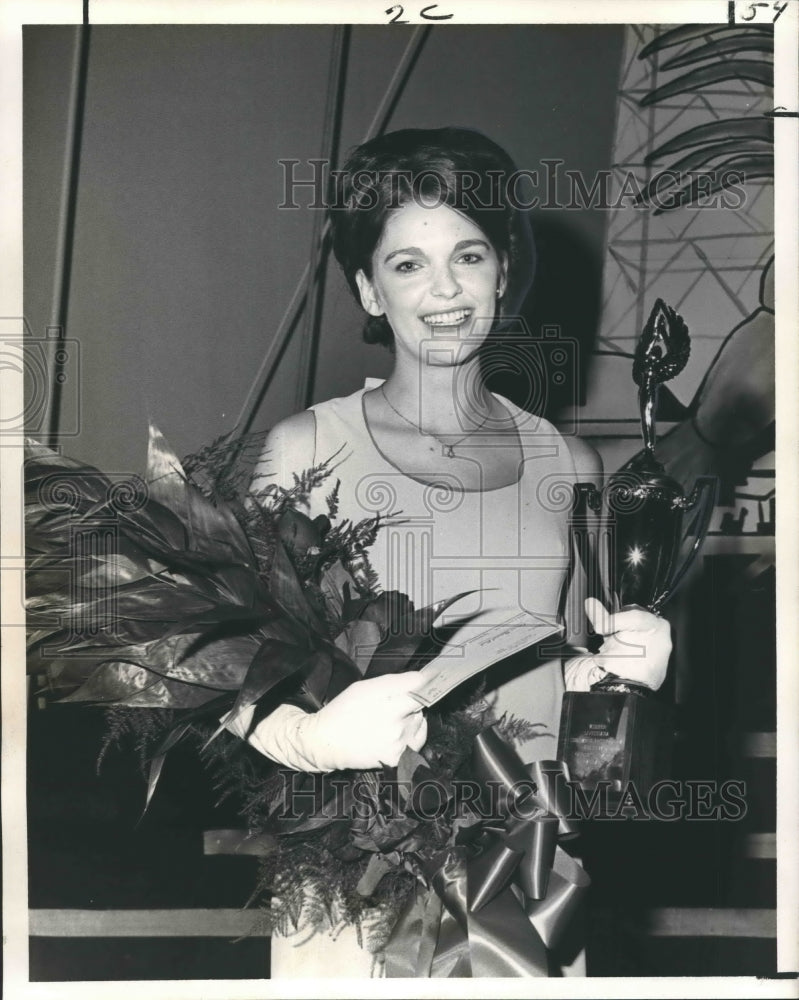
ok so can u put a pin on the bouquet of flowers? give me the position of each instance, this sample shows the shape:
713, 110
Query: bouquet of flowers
190, 592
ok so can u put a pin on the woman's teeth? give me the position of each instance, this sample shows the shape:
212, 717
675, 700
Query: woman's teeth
453, 318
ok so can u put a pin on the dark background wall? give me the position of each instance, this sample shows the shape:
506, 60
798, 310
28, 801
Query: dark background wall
183, 262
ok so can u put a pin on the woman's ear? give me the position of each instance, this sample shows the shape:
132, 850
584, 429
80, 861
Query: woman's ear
369, 297
502, 284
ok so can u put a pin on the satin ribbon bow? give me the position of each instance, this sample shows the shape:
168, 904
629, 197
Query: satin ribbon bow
495, 904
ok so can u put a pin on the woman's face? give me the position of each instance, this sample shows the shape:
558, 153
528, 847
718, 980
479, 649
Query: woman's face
435, 277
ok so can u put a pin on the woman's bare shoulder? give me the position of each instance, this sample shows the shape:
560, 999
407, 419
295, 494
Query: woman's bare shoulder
587, 460
290, 447
297, 431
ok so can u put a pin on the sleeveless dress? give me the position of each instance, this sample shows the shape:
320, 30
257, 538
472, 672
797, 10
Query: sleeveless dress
509, 545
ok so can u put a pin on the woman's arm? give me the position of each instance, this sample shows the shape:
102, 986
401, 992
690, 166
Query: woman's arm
368, 724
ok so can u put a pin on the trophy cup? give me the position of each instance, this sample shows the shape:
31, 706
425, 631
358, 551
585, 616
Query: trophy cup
631, 542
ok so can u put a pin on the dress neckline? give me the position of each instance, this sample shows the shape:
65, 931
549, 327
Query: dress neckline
444, 477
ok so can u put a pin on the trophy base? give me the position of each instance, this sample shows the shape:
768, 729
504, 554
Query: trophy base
617, 744
617, 685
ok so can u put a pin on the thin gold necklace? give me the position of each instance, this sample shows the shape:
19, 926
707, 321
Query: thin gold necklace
449, 449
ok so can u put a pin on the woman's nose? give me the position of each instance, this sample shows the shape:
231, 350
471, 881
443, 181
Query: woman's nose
445, 284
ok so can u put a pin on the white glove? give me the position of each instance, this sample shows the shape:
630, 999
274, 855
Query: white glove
637, 649
580, 673
369, 724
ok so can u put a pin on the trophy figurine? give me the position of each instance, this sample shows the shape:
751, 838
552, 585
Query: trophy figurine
631, 541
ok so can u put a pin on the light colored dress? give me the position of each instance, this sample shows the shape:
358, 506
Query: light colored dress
509, 545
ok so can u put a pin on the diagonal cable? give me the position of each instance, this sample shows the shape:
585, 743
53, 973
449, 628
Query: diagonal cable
66, 221
299, 299
320, 242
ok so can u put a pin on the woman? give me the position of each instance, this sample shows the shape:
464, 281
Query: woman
434, 250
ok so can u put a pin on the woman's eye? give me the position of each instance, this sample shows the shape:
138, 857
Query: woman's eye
407, 267
471, 258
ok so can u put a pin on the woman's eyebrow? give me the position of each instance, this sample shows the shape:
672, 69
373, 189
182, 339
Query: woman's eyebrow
461, 245
470, 243
409, 250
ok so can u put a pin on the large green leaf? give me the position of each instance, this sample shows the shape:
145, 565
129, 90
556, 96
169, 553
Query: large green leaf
135, 686
343, 673
213, 530
286, 588
49, 574
688, 32
735, 69
677, 172
221, 622
721, 48
63, 675
210, 667
214, 662
335, 585
378, 867
339, 803
387, 608
397, 651
359, 640
57, 486
142, 614
317, 673
409, 763
212, 709
727, 174
273, 663
743, 130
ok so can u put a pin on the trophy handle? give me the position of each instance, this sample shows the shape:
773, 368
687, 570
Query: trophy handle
585, 532
586, 495
703, 498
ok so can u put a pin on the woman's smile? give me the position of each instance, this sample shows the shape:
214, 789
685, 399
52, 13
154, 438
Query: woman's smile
454, 317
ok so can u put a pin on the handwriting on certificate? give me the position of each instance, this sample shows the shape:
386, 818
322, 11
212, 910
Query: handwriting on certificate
466, 657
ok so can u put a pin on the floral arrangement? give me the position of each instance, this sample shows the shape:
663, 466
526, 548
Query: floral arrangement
199, 597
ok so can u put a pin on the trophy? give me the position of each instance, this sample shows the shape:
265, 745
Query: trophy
635, 551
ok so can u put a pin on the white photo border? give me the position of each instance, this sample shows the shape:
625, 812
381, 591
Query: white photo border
15, 939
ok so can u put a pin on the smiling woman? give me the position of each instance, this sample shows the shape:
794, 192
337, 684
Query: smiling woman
436, 280
463, 480
430, 251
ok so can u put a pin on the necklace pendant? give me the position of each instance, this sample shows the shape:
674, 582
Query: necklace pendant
450, 452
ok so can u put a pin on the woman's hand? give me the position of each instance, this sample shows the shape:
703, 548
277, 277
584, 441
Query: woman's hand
637, 644
369, 724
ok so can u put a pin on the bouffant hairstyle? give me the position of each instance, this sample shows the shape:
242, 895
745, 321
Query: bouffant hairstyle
458, 167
